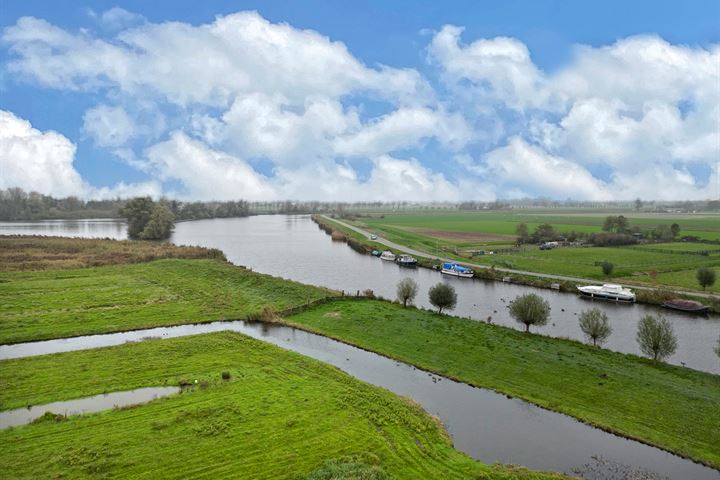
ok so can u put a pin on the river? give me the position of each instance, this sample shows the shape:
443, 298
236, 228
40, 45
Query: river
292, 247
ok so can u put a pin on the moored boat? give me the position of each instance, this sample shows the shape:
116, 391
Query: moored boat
456, 270
608, 291
376, 253
388, 256
683, 305
406, 261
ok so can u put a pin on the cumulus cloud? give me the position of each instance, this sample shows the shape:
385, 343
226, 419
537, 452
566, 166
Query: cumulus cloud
35, 160
200, 105
208, 64
638, 108
43, 162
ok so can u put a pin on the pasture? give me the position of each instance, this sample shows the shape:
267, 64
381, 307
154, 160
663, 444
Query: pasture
266, 421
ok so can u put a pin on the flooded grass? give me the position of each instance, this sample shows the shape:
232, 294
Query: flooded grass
675, 408
266, 421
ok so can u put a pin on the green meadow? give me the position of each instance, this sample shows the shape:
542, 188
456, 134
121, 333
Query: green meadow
461, 235
672, 407
280, 415
39, 305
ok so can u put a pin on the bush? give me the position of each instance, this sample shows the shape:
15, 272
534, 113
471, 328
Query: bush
607, 268
594, 324
442, 296
407, 290
225, 375
705, 277
611, 239
530, 309
656, 337
348, 468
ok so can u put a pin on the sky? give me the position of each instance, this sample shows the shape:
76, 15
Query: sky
361, 101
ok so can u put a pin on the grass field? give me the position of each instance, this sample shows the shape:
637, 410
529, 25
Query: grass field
672, 407
279, 416
457, 235
504, 223
63, 303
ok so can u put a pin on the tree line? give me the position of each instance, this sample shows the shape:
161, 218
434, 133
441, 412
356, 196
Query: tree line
655, 335
616, 231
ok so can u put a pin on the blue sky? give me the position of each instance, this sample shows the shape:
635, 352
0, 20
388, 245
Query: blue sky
472, 115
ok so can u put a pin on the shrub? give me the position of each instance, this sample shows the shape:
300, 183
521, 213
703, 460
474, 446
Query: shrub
656, 337
705, 277
442, 296
349, 468
607, 267
225, 375
594, 324
530, 309
407, 290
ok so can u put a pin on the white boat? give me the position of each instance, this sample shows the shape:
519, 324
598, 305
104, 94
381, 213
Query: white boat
387, 255
456, 270
608, 291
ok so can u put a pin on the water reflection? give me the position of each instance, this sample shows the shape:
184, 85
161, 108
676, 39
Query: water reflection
97, 403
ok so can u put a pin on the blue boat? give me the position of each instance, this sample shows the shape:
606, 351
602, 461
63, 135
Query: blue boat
376, 253
456, 270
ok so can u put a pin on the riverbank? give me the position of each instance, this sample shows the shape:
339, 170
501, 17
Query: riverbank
361, 243
675, 408
267, 420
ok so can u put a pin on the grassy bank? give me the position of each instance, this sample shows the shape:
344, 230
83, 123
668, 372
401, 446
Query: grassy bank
62, 303
279, 416
675, 408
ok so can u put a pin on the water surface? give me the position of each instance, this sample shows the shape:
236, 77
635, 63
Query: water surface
97, 403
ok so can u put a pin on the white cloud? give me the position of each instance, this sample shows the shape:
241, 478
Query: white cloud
533, 170
207, 174
404, 128
117, 18
208, 64
36, 161
109, 126
241, 90
43, 162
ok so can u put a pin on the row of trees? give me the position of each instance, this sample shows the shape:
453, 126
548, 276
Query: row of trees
616, 230
655, 335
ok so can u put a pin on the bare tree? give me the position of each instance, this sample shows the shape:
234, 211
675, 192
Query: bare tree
407, 290
656, 337
594, 324
530, 309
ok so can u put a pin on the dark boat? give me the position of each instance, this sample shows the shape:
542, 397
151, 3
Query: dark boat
685, 305
406, 261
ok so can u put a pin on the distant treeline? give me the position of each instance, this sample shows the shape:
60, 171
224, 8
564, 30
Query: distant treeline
17, 204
